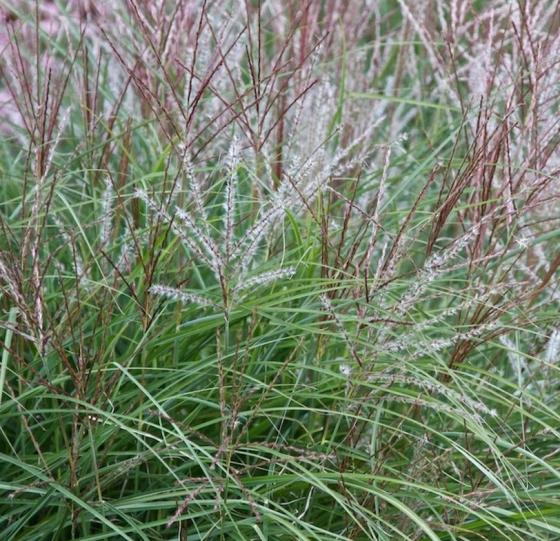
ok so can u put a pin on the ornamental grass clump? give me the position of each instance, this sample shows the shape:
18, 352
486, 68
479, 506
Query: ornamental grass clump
279, 270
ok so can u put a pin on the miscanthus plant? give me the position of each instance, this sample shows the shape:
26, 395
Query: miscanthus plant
279, 270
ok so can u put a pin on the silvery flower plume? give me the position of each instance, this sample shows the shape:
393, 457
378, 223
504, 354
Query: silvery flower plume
227, 253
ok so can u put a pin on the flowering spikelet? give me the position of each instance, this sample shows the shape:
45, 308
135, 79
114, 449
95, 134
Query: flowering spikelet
187, 241
180, 296
434, 387
205, 241
432, 404
553, 347
265, 278
434, 268
230, 195
420, 348
106, 211
194, 188
247, 246
126, 255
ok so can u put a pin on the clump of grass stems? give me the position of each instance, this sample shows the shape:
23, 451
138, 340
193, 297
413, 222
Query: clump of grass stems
279, 270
